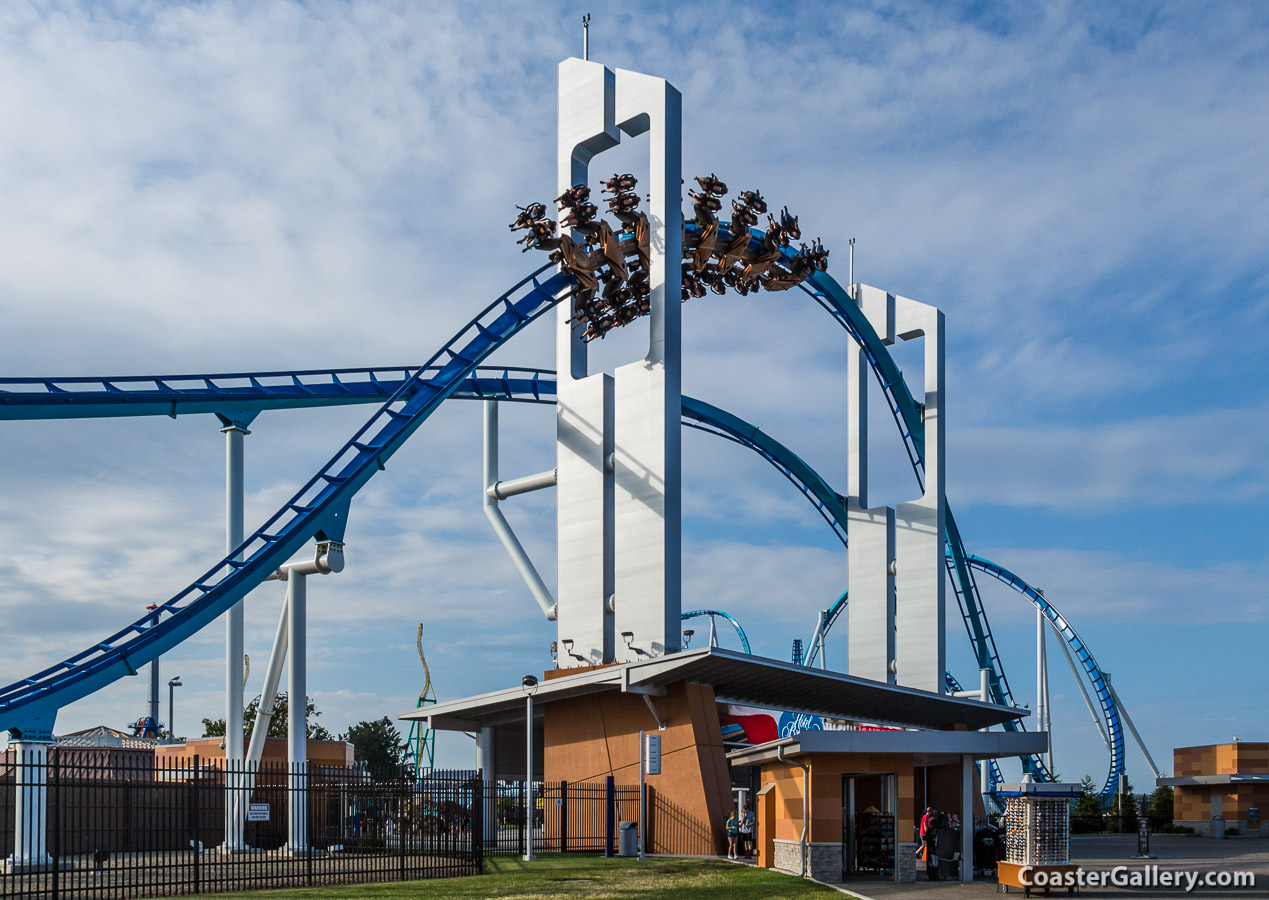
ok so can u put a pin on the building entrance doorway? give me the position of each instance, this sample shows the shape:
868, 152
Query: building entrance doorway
868, 824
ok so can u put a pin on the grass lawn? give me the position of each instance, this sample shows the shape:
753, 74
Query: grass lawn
578, 875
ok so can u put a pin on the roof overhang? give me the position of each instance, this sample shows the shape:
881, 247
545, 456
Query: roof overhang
1202, 780
931, 746
736, 678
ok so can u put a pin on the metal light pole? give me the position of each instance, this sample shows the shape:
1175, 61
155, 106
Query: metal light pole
529, 684
171, 696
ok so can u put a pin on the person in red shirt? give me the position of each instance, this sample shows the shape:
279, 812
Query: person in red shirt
929, 827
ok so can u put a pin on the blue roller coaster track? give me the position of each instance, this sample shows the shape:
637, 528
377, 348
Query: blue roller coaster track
408, 397
319, 510
740, 632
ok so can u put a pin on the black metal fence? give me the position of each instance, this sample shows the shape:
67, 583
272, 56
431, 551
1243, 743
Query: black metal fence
75, 829
586, 816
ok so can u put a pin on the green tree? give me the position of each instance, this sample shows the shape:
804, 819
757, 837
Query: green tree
1160, 808
277, 724
1130, 811
378, 744
1086, 812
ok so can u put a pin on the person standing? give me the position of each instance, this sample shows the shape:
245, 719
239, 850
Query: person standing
929, 823
746, 833
947, 846
733, 833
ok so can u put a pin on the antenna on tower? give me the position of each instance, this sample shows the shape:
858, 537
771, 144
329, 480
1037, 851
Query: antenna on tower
586, 36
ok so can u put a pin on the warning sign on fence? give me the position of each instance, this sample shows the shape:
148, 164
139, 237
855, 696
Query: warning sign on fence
258, 812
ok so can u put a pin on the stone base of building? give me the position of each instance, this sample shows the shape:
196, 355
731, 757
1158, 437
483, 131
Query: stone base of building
823, 859
906, 873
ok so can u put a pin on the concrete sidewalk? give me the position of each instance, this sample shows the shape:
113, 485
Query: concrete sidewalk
1104, 853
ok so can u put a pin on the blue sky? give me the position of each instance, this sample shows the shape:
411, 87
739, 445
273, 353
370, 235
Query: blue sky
244, 187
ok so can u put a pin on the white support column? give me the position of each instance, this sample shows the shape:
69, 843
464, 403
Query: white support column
297, 712
234, 676
920, 579
619, 522
870, 637
984, 767
967, 819
30, 853
647, 394
489, 502
1042, 720
528, 779
485, 762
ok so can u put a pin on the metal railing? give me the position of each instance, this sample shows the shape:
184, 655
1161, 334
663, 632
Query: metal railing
585, 816
80, 824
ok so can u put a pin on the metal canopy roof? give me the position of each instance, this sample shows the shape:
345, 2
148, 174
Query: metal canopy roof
735, 678
931, 748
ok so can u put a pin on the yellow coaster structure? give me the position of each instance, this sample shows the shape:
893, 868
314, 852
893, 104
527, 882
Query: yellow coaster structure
422, 740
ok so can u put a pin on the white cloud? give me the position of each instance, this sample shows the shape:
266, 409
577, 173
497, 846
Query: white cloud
221, 187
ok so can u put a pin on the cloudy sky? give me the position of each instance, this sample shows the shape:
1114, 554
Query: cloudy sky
266, 186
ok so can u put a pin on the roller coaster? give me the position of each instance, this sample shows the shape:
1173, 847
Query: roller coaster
406, 397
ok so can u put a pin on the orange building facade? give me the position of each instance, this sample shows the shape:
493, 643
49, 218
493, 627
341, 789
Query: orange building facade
1227, 780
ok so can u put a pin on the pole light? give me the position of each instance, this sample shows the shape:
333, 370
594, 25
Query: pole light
171, 696
528, 684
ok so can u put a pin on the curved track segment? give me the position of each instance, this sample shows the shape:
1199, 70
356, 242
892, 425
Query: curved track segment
1110, 710
740, 632
319, 509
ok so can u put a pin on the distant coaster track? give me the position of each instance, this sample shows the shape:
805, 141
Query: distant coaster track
409, 396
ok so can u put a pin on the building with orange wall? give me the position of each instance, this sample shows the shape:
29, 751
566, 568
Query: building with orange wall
1227, 780
210, 753
854, 779
587, 723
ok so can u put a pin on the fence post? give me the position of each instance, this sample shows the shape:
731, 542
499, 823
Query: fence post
524, 806
398, 828
477, 830
306, 769
610, 814
194, 830
55, 760
649, 810
563, 816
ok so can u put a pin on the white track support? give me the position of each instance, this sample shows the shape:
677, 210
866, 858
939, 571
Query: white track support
619, 534
823, 630
485, 763
269, 696
898, 589
297, 711
529, 856
920, 581
234, 677
291, 635
30, 853
1088, 700
1042, 721
489, 496
870, 637
1123, 713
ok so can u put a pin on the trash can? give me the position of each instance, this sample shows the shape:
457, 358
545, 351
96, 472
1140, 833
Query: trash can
627, 839
1218, 827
